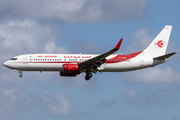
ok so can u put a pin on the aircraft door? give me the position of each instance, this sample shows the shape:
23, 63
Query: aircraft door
25, 65
25, 59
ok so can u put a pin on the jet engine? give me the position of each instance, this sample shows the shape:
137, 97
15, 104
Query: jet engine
69, 70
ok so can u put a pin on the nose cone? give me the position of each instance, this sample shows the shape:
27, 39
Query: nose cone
9, 65
6, 64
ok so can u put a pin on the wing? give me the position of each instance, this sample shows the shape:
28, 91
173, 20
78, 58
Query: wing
97, 61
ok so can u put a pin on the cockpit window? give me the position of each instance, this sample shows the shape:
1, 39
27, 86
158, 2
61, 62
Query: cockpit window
13, 59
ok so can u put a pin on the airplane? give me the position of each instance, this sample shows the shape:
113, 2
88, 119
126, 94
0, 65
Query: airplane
70, 65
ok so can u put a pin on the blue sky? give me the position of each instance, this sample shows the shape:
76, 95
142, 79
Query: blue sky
88, 26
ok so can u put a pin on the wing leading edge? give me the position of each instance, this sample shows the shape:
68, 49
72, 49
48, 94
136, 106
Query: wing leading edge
98, 60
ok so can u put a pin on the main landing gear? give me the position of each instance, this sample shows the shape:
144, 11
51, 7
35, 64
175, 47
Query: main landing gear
88, 75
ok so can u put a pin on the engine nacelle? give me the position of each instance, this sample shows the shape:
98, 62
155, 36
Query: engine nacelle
70, 68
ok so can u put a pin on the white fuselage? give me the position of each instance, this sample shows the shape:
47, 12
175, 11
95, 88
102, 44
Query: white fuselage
54, 62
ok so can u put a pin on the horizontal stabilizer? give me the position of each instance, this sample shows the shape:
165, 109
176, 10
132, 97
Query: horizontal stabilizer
164, 56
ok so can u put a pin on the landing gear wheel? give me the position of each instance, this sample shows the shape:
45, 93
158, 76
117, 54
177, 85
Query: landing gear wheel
20, 75
88, 76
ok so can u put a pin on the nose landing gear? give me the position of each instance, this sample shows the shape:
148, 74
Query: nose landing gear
18, 71
20, 75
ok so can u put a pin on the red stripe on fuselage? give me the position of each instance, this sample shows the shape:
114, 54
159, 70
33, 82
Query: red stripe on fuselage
121, 58
50, 62
118, 58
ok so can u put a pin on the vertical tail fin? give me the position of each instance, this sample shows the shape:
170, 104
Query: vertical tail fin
159, 45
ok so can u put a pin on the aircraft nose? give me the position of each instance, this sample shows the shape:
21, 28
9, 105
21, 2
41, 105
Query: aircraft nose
8, 65
5, 64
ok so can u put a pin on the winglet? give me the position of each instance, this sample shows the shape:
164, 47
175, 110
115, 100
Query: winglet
118, 45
